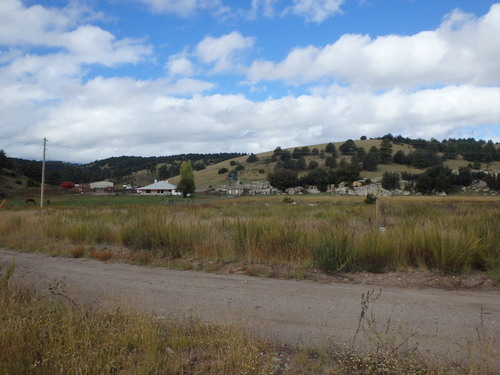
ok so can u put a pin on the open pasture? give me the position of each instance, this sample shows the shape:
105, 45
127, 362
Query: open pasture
452, 235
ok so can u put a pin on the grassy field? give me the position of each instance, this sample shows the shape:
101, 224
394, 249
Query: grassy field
452, 235
48, 333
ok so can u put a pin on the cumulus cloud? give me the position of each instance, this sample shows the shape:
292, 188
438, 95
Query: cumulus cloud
223, 52
315, 10
440, 83
462, 50
180, 66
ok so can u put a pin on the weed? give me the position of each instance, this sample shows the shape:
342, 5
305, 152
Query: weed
103, 255
366, 300
78, 251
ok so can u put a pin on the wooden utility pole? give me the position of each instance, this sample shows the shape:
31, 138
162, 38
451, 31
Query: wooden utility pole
377, 212
43, 171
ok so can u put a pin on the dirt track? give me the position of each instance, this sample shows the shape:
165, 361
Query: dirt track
296, 312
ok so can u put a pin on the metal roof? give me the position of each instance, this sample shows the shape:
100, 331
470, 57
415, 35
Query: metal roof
159, 185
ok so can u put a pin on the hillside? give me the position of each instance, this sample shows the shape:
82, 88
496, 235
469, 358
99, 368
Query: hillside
211, 170
258, 171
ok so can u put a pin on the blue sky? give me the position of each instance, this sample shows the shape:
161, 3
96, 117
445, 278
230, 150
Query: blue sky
102, 78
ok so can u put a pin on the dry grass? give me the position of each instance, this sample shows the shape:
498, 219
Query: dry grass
48, 333
449, 235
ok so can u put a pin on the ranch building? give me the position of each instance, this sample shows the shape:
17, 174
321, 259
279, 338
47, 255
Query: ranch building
158, 188
101, 186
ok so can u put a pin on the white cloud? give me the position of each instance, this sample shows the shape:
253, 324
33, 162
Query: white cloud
266, 7
316, 10
463, 50
441, 83
109, 117
180, 66
185, 8
223, 52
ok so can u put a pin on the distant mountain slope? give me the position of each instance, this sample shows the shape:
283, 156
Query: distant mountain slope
404, 154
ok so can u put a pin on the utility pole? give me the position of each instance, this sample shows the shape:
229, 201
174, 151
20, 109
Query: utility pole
43, 171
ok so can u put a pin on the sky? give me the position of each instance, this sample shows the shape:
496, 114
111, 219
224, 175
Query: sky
104, 78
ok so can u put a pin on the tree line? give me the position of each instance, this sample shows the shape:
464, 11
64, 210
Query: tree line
118, 169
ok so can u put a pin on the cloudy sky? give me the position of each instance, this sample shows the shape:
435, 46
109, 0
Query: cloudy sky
102, 78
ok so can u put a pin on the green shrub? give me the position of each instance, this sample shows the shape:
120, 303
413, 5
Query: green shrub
370, 198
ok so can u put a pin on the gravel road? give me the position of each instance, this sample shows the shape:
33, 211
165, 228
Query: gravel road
439, 322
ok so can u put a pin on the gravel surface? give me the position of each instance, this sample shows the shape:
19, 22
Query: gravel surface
437, 322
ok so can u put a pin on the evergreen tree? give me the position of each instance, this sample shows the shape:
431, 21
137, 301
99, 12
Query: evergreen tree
400, 158
282, 179
331, 149
348, 147
331, 162
370, 162
385, 151
252, 158
390, 181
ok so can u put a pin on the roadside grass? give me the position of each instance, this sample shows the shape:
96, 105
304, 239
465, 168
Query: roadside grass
451, 235
49, 333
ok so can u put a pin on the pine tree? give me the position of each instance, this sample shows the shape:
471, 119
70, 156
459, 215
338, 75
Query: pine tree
385, 151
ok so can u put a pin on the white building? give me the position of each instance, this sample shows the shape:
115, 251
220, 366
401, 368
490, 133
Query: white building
101, 185
159, 188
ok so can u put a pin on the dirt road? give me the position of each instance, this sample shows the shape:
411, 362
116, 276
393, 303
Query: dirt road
297, 312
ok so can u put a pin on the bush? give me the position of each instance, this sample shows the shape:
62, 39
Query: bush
252, 158
390, 180
370, 199
222, 170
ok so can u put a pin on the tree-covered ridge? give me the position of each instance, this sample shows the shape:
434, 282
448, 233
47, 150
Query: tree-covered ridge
330, 167
116, 168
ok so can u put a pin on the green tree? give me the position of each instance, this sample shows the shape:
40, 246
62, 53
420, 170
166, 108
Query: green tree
222, 170
465, 177
3, 160
331, 162
348, 147
331, 149
186, 185
423, 158
312, 164
370, 162
285, 155
319, 177
283, 179
301, 163
438, 178
400, 158
390, 180
358, 156
252, 158
385, 151
163, 172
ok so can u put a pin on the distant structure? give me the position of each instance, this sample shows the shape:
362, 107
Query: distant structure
67, 185
159, 188
101, 186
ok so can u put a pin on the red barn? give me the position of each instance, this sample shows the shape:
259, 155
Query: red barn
67, 185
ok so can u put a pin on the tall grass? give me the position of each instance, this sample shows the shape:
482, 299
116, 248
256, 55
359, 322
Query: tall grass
334, 234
